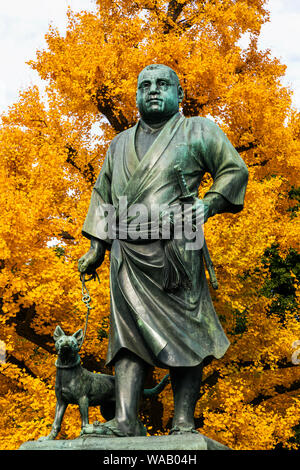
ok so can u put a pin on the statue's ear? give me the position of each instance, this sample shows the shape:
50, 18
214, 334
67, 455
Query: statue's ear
180, 93
57, 333
79, 337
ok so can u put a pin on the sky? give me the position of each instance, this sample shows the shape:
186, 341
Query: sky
23, 24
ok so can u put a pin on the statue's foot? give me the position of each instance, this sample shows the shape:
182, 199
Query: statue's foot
111, 429
176, 430
46, 438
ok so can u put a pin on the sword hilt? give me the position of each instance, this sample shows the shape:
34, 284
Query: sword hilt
186, 194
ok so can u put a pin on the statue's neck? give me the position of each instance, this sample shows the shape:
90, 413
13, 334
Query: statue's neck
154, 126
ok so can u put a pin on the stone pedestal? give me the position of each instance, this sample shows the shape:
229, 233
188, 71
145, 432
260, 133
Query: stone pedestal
187, 442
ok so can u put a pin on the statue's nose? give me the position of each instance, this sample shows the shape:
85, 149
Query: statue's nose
153, 88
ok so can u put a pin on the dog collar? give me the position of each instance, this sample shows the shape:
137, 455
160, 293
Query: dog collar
67, 366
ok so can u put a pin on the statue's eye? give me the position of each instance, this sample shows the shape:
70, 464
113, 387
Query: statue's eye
163, 84
144, 86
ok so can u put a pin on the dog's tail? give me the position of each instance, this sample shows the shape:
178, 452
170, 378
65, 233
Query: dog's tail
150, 392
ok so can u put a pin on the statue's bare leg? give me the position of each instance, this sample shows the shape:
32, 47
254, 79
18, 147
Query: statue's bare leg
130, 372
186, 382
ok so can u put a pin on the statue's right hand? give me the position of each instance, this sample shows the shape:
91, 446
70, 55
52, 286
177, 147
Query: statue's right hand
89, 262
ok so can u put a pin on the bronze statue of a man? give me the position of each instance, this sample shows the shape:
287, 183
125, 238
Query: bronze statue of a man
161, 309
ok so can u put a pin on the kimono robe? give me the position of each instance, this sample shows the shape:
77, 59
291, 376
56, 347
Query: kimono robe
166, 329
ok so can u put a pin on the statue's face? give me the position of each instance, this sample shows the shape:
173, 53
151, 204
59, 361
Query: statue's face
158, 94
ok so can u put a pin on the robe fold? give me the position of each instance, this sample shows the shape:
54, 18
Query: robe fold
166, 329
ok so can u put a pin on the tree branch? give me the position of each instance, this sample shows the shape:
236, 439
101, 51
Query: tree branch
21, 364
192, 107
211, 380
279, 389
262, 163
244, 148
174, 10
66, 235
88, 171
23, 329
22, 323
106, 107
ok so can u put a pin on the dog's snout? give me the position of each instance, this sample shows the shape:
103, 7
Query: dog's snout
67, 344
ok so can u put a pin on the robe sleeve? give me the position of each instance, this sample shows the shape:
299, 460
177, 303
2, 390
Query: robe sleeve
96, 224
228, 170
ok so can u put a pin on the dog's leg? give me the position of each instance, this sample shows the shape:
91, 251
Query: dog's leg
83, 403
60, 409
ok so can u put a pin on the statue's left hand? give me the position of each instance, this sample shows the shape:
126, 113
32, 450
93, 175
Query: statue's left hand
201, 211
195, 213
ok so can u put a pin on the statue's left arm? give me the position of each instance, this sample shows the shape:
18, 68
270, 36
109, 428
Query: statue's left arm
228, 170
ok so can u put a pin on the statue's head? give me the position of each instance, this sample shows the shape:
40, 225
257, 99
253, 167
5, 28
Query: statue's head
158, 93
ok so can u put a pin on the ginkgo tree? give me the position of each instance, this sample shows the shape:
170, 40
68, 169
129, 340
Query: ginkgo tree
52, 147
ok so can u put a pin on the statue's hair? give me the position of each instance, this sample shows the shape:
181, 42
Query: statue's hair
157, 66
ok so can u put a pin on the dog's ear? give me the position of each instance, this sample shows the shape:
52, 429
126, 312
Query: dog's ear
57, 333
79, 337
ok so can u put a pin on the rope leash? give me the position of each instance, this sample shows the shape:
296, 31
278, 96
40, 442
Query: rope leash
86, 298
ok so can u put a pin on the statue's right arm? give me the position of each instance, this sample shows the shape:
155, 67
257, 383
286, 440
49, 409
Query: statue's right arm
101, 194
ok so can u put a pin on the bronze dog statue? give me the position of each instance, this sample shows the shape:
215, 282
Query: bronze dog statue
76, 385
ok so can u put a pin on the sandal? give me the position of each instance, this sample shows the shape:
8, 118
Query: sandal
177, 430
111, 429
